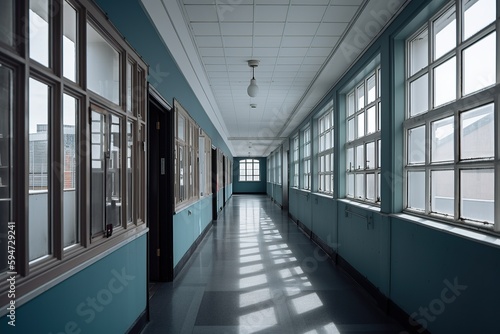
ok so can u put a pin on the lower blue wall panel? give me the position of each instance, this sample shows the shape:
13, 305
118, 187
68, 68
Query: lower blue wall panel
106, 297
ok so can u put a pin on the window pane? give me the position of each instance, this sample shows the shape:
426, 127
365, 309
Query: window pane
182, 193
361, 124
69, 42
477, 15
39, 31
350, 130
7, 25
360, 186
103, 66
371, 89
443, 140
379, 154
445, 33
70, 163
445, 80
350, 159
99, 149
477, 133
371, 120
479, 65
370, 155
360, 158
361, 97
477, 194
350, 185
130, 174
6, 111
370, 187
416, 190
416, 145
350, 104
442, 192
113, 182
181, 128
419, 52
39, 226
129, 86
419, 95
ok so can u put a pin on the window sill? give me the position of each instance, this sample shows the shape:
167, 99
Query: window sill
480, 236
364, 205
324, 195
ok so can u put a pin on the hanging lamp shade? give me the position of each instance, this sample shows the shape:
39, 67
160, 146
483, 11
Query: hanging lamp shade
253, 89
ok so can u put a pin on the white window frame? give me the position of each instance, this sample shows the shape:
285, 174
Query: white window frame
295, 162
306, 158
252, 162
325, 131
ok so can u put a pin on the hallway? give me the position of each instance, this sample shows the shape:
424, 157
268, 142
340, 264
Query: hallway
256, 272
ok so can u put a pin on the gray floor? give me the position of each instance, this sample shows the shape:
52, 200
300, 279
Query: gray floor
257, 273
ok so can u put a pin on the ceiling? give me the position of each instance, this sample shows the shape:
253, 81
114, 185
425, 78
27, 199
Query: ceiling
303, 47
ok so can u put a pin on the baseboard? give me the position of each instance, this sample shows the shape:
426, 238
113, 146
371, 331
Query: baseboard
383, 302
187, 256
139, 324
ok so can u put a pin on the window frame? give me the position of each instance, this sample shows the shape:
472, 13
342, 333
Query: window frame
295, 161
252, 162
328, 152
306, 160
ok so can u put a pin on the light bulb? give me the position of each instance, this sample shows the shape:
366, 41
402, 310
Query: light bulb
253, 89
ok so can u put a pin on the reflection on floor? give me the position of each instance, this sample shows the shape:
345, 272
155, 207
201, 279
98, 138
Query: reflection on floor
257, 273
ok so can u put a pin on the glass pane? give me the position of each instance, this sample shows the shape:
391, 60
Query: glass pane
419, 95
181, 127
445, 31
360, 157
379, 185
361, 97
419, 52
370, 155
350, 104
70, 163
69, 42
371, 120
477, 198
7, 25
371, 89
39, 226
350, 159
350, 129
350, 185
445, 80
39, 31
98, 144
360, 186
130, 174
442, 192
477, 15
182, 194
129, 86
379, 154
477, 133
360, 118
416, 145
480, 65
416, 190
443, 140
370, 187
103, 66
6, 98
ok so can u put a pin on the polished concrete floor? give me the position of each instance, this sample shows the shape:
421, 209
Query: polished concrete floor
256, 272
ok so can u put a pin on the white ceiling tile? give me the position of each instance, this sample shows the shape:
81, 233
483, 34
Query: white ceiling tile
236, 28
218, 74
201, 13
310, 2
270, 13
293, 52
301, 29
306, 13
292, 68
268, 28
237, 42
213, 60
290, 60
205, 28
331, 29
238, 52
314, 60
211, 52
199, 2
213, 68
271, 2
237, 60
313, 68
266, 41
236, 13
208, 42
265, 52
340, 13
324, 41
296, 42
318, 52
347, 2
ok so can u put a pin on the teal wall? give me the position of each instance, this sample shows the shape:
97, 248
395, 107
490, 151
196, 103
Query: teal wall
444, 279
117, 284
253, 187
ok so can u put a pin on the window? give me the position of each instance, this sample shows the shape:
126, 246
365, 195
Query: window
205, 164
249, 170
295, 162
306, 159
450, 147
186, 155
363, 139
325, 150
73, 198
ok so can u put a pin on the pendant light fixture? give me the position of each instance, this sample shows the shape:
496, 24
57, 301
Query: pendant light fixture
253, 89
